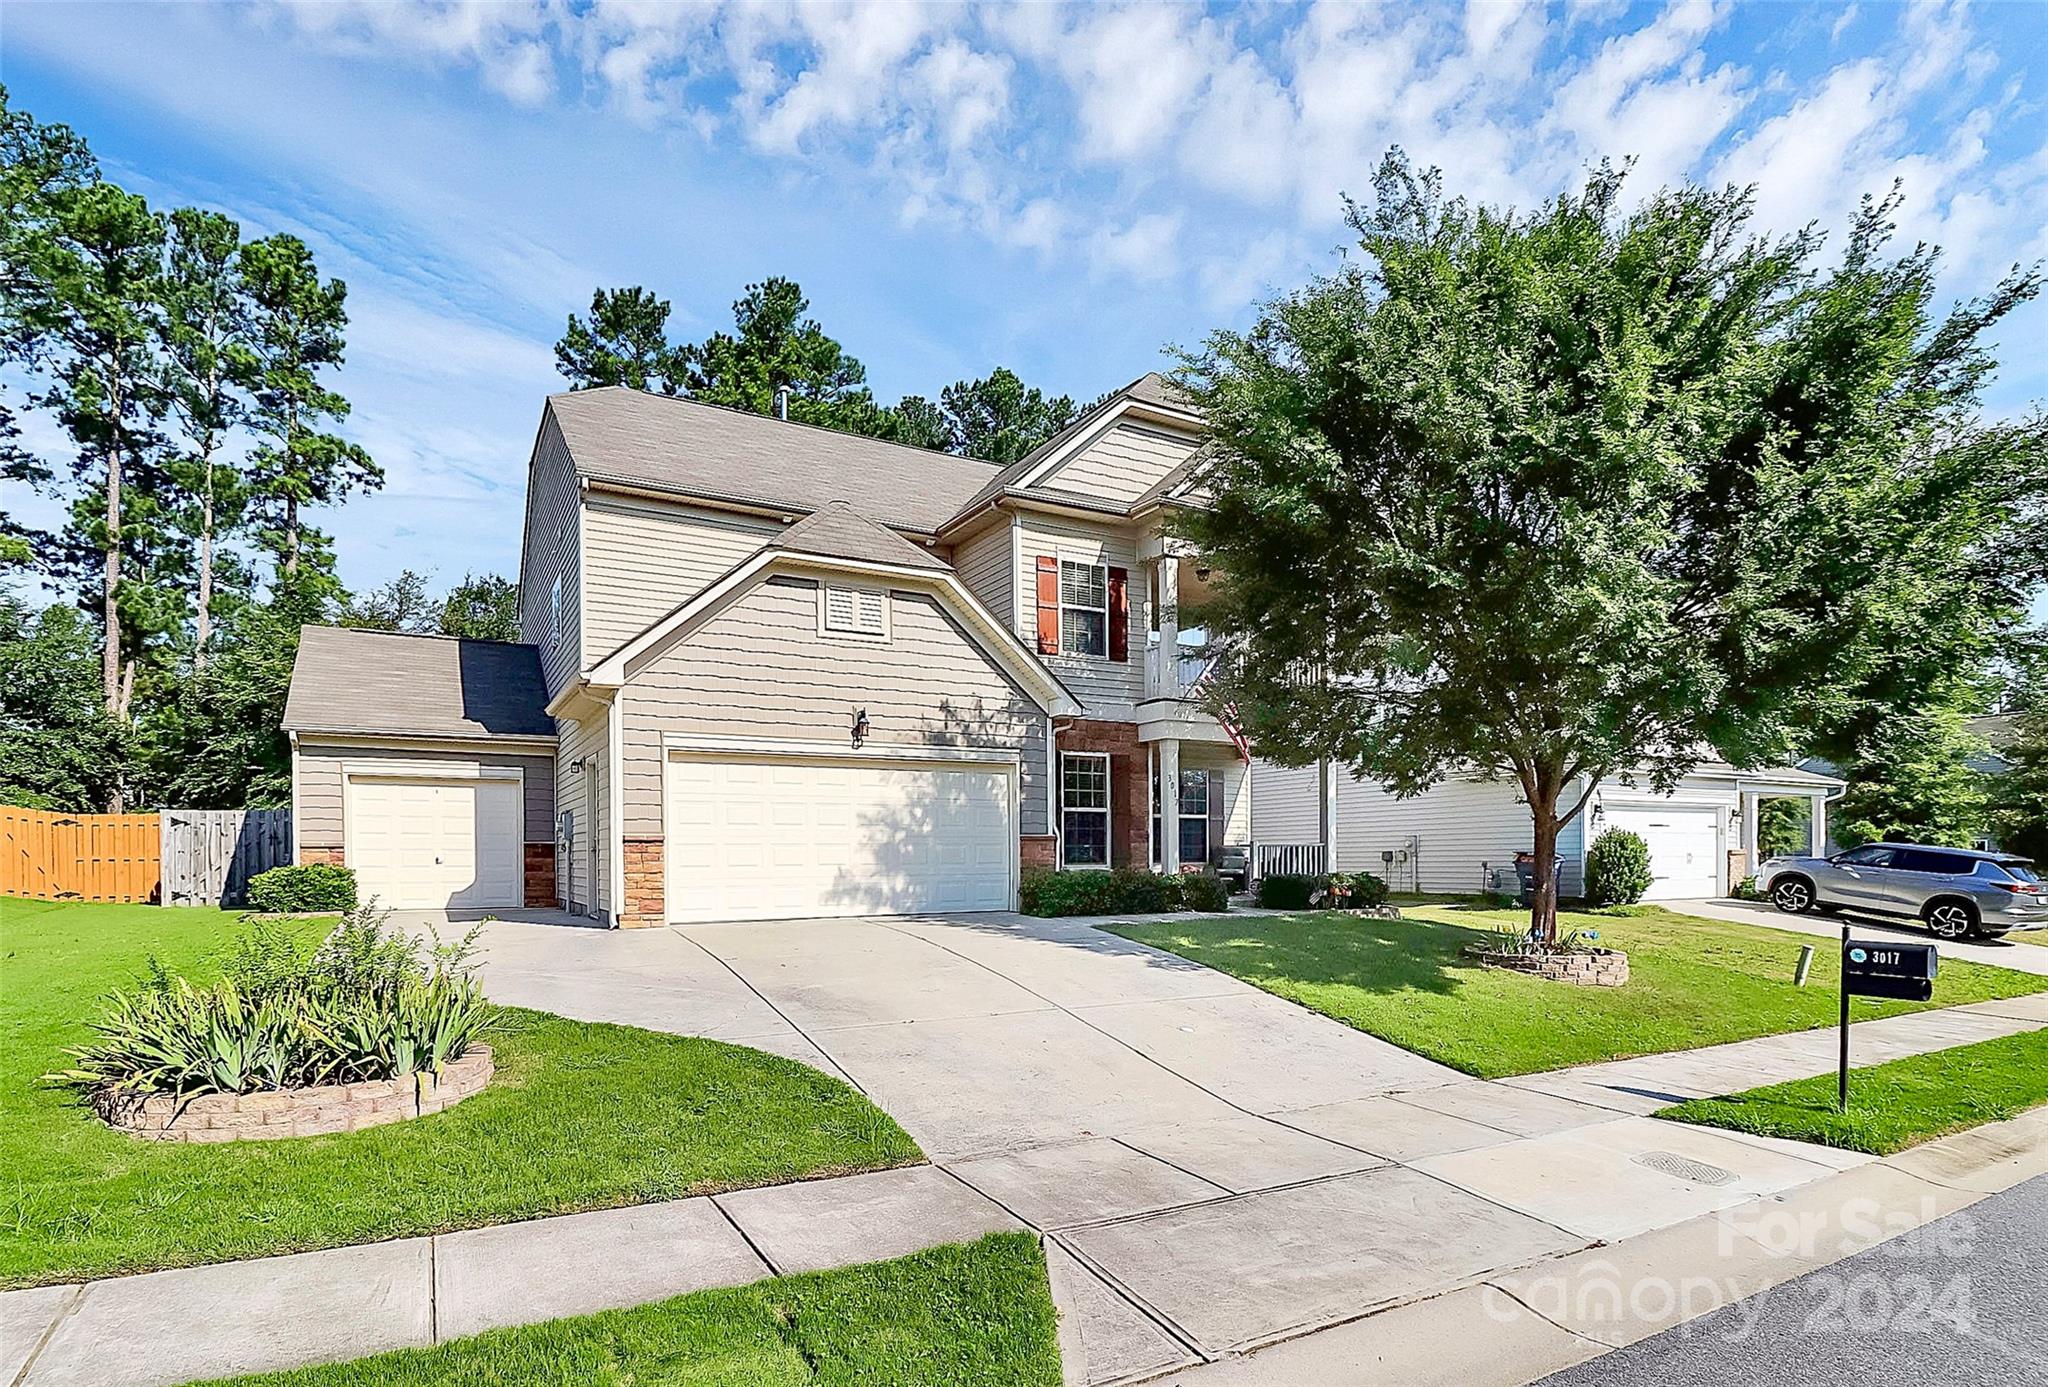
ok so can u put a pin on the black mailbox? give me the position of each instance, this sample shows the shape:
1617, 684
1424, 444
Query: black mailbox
1902, 972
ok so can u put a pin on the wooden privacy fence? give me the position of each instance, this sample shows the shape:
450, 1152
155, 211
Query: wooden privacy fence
210, 854
177, 857
78, 857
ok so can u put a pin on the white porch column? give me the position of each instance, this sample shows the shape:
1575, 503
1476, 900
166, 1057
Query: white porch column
1168, 569
1817, 825
1169, 801
1752, 807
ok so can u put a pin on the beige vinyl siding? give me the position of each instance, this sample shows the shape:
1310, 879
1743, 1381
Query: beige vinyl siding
645, 558
1122, 465
1448, 831
1107, 689
1228, 778
320, 772
983, 563
586, 795
1286, 804
761, 669
550, 550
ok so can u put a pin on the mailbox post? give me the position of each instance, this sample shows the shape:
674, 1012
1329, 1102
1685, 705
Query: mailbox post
1880, 968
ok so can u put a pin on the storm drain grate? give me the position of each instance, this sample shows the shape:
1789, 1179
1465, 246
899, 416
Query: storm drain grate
1686, 1168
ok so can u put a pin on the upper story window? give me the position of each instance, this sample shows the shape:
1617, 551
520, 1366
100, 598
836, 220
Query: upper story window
1084, 608
862, 612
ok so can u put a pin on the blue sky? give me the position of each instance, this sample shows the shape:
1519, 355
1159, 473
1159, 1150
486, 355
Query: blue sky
1063, 190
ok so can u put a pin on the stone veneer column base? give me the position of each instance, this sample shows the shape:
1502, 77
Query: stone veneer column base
643, 905
321, 857
540, 876
1037, 850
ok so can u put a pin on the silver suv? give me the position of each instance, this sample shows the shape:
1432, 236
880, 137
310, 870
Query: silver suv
1958, 892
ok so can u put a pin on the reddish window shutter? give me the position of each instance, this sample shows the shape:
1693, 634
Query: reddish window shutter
1120, 614
1048, 605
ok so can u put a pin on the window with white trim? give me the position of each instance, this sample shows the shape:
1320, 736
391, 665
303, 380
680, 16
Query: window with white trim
1084, 809
1191, 818
1084, 608
854, 612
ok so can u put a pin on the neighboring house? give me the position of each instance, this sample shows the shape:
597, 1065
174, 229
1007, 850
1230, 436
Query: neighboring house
1462, 835
770, 670
767, 670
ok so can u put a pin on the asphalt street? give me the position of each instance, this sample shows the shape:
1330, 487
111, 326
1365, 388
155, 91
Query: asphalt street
1963, 1301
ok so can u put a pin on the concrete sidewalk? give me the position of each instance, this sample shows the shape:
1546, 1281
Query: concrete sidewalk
173, 1327
1506, 1330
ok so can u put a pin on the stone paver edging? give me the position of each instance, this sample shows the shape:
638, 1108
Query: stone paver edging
303, 1112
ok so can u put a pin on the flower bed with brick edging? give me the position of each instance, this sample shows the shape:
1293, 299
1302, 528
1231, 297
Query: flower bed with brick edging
304, 1112
1585, 967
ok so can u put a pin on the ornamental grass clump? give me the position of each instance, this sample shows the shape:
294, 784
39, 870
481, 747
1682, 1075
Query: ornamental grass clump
369, 1002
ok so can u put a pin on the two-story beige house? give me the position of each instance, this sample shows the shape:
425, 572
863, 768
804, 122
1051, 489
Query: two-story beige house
768, 670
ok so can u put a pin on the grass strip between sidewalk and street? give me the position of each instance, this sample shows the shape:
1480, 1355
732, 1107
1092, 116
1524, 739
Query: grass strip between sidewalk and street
579, 1116
974, 1315
1893, 1105
1693, 982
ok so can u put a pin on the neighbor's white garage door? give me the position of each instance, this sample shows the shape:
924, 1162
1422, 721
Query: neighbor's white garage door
1684, 848
423, 843
782, 839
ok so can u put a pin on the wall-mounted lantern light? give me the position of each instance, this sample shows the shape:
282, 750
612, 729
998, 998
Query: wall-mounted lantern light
860, 726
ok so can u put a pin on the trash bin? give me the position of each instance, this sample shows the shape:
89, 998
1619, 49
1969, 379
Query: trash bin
1525, 873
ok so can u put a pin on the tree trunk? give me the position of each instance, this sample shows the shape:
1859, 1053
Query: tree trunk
291, 538
203, 618
110, 576
1543, 900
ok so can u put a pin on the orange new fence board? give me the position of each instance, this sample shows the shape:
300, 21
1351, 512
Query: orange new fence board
79, 857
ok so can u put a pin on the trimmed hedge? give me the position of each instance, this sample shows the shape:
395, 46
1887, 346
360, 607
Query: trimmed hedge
1121, 892
1298, 890
316, 886
1617, 868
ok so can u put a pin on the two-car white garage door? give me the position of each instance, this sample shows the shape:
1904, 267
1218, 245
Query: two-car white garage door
1685, 847
763, 837
422, 842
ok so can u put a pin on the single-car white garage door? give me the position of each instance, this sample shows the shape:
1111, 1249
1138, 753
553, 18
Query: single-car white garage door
1684, 844
417, 842
765, 838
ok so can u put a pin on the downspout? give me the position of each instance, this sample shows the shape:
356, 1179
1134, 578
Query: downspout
293, 736
615, 796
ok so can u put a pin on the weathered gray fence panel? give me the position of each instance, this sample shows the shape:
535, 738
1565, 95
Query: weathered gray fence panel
210, 854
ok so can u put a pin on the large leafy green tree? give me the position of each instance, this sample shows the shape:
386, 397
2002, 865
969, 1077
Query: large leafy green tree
775, 346
58, 747
482, 607
217, 744
1916, 778
403, 604
206, 358
296, 333
1588, 493
624, 341
2019, 794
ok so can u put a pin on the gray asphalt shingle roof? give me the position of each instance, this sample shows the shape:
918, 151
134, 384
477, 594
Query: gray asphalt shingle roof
668, 444
396, 684
840, 532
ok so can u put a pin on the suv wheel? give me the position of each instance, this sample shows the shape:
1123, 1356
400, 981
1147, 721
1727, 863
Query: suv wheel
1951, 919
1793, 895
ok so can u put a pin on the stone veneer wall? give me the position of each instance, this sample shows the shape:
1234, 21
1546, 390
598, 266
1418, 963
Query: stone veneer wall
305, 1112
324, 857
644, 906
1590, 968
1038, 850
540, 876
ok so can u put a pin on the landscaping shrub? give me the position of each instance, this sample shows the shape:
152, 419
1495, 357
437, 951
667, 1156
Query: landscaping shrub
1287, 890
311, 888
367, 1003
1204, 891
1617, 868
1124, 891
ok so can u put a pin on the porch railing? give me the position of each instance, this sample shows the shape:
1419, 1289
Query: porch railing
1289, 859
1194, 664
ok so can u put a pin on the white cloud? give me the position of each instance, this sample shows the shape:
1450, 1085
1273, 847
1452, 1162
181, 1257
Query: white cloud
1148, 248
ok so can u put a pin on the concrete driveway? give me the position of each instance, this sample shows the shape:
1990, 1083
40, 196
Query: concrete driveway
1214, 1168
2014, 953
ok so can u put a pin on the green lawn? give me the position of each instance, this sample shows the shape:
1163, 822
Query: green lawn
949, 1317
1693, 982
1891, 1106
580, 1116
